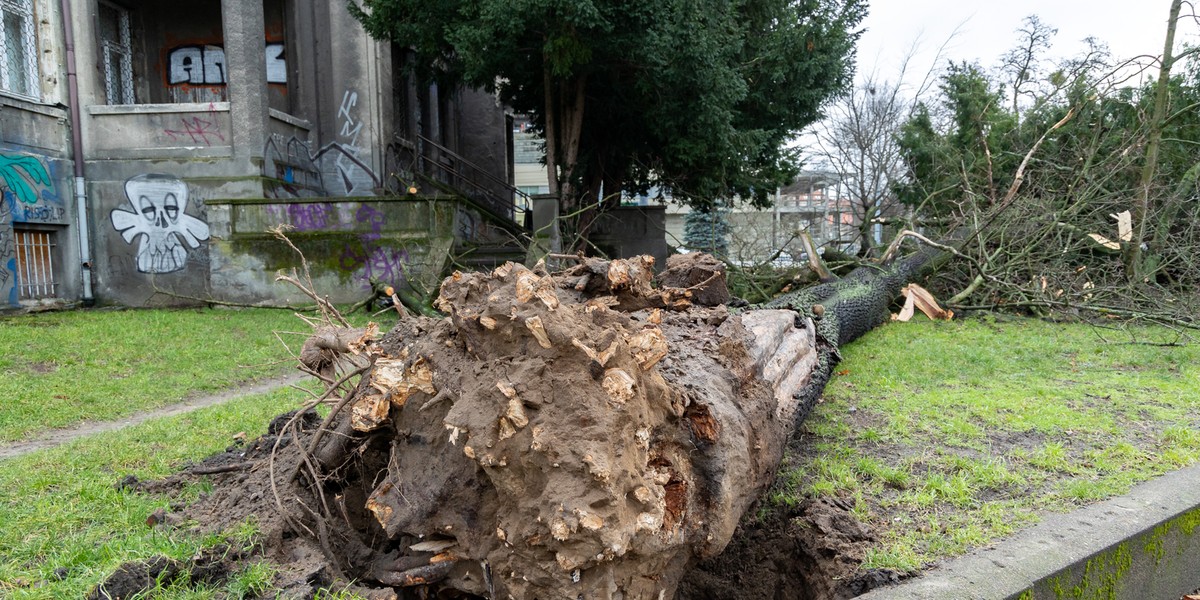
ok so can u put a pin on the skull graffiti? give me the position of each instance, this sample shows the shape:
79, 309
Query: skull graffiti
159, 216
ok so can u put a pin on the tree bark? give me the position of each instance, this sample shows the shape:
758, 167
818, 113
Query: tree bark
1140, 211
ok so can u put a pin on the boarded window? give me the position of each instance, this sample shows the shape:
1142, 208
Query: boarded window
35, 264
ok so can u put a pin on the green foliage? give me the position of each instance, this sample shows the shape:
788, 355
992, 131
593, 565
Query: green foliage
1047, 236
696, 97
973, 155
707, 231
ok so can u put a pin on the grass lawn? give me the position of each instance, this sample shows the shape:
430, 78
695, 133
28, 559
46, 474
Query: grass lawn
65, 527
944, 436
60, 368
948, 435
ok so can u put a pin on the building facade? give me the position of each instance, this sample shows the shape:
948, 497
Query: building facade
147, 148
815, 202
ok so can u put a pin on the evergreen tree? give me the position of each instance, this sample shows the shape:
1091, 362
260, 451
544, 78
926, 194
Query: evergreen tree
697, 97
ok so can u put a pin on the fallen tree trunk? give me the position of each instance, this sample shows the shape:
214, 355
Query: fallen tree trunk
576, 435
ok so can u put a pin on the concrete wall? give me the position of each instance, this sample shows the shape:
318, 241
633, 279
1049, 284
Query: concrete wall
243, 133
348, 242
276, 107
632, 230
35, 167
35, 194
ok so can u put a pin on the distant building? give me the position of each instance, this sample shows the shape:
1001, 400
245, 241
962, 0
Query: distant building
815, 202
636, 227
197, 126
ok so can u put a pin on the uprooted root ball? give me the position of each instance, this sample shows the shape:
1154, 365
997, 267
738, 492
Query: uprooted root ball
581, 434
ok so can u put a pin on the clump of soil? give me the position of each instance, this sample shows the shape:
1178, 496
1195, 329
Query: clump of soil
582, 434
808, 552
212, 566
700, 273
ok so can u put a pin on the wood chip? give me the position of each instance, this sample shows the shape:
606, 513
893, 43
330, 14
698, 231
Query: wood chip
516, 413
435, 546
619, 385
590, 521
526, 285
503, 270
369, 413
655, 316
648, 346
505, 429
391, 376
539, 331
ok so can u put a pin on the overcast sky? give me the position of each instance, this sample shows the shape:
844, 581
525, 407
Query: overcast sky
986, 28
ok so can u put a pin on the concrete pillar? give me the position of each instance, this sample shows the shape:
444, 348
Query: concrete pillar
246, 61
546, 237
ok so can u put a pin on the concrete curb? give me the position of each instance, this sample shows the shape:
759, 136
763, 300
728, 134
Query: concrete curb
58, 437
1141, 546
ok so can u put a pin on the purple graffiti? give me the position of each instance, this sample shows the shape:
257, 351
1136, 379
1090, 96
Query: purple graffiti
375, 263
309, 216
373, 218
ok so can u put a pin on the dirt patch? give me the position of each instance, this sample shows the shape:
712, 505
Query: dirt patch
211, 567
809, 552
42, 368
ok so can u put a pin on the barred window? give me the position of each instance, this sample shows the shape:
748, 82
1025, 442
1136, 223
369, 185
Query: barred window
117, 49
18, 48
36, 252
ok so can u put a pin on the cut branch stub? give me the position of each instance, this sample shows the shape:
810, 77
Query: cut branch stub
369, 412
322, 350
400, 379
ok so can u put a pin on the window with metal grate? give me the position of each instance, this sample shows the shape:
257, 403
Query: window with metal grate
35, 264
18, 49
117, 48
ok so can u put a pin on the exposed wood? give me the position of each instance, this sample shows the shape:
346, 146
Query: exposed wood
814, 258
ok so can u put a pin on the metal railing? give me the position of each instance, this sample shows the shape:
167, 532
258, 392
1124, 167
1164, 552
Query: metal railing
440, 164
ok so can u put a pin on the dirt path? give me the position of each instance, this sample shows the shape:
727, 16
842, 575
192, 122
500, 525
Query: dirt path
58, 437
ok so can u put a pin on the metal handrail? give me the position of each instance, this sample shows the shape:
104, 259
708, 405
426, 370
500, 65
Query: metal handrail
484, 172
504, 206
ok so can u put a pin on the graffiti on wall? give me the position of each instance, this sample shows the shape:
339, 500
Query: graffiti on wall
198, 130
22, 176
375, 260
307, 216
27, 187
204, 64
8, 253
301, 172
351, 128
159, 218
